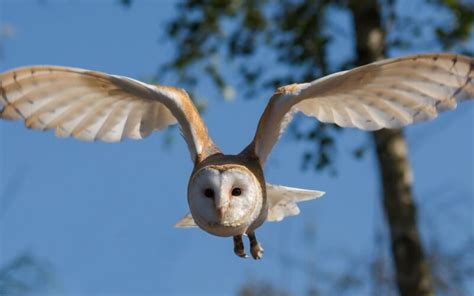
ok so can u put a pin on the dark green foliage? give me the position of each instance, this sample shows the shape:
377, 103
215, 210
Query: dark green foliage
126, 3
322, 146
203, 32
461, 26
240, 29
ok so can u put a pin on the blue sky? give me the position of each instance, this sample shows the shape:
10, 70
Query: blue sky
102, 215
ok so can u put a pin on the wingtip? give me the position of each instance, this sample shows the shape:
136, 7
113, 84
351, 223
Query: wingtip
314, 193
182, 225
321, 193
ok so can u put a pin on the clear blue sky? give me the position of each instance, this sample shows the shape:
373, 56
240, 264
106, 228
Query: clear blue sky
102, 215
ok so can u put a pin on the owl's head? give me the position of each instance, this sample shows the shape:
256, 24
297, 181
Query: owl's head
224, 199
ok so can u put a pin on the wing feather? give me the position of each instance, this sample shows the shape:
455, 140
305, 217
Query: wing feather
110, 129
282, 200
387, 94
55, 105
132, 123
91, 105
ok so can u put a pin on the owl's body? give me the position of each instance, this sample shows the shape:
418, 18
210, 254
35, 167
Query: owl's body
228, 194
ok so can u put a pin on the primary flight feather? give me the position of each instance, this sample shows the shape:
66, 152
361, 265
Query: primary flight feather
227, 194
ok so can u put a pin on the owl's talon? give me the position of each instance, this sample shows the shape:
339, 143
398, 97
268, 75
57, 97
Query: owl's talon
257, 251
255, 248
239, 247
241, 255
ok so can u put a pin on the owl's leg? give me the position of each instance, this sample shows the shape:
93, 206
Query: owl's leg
239, 246
255, 247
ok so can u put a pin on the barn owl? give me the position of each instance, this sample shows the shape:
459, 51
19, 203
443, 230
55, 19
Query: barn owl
227, 194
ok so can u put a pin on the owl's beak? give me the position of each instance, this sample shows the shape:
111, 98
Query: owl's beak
221, 203
220, 212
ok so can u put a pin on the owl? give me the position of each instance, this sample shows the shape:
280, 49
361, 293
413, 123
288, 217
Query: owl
227, 194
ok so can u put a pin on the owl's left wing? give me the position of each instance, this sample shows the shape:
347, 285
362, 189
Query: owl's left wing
386, 94
282, 201
91, 105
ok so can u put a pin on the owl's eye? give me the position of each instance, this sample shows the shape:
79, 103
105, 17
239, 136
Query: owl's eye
208, 192
236, 191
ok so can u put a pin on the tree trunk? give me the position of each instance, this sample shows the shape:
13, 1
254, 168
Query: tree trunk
412, 272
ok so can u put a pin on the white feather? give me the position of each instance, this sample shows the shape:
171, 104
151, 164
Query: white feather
282, 200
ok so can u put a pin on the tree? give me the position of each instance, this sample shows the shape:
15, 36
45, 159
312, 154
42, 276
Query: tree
413, 275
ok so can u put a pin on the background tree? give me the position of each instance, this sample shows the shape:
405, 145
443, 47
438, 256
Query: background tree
299, 35
26, 275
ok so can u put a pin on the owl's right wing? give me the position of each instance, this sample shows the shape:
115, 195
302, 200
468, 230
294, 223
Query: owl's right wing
91, 105
386, 94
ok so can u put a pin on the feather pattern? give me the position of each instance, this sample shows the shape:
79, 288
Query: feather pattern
91, 105
390, 93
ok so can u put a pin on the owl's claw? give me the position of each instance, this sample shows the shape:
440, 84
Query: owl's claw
239, 247
242, 255
255, 248
257, 251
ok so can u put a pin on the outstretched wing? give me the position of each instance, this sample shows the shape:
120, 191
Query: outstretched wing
282, 200
386, 94
90, 105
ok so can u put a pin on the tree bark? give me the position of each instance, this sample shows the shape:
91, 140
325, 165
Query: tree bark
412, 271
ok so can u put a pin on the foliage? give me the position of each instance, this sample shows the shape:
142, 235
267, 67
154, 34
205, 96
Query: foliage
24, 275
